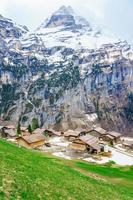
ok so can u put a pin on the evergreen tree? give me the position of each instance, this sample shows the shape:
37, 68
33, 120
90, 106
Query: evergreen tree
30, 129
35, 124
18, 129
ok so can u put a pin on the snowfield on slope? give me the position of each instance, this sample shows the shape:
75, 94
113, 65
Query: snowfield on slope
82, 38
118, 157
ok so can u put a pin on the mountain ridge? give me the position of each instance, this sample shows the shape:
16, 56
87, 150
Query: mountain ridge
66, 75
67, 13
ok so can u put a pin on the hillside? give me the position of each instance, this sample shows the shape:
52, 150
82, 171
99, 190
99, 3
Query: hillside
31, 175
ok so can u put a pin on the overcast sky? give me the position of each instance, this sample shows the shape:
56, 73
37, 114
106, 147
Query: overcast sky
114, 15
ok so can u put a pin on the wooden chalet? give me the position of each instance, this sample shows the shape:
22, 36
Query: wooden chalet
10, 127
83, 131
10, 131
31, 141
2, 134
127, 144
71, 134
51, 132
24, 128
39, 130
98, 132
113, 137
86, 143
24, 131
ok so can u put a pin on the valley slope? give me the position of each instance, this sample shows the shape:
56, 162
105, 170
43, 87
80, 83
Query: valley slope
36, 175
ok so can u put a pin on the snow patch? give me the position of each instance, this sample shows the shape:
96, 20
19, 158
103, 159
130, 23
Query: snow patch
117, 156
62, 155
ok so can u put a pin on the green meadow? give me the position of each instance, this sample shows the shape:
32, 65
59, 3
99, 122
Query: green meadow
32, 175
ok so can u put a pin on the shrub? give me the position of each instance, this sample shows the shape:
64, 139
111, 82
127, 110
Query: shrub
110, 163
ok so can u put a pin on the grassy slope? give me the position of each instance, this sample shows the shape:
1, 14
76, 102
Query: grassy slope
33, 175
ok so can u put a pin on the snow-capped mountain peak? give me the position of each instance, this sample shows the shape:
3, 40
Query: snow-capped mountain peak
64, 10
65, 16
65, 28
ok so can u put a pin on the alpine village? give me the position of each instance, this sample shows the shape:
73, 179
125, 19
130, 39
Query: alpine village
66, 110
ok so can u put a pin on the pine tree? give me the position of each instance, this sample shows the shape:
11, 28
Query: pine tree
30, 129
35, 124
18, 129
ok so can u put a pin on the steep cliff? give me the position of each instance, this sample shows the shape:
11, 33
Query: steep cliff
66, 74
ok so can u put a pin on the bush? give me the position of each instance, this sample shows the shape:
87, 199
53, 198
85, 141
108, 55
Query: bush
110, 163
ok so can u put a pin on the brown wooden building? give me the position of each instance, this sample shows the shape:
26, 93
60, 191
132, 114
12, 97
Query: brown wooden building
86, 143
51, 132
71, 135
10, 131
31, 141
39, 130
24, 131
113, 137
83, 131
98, 132
128, 144
2, 134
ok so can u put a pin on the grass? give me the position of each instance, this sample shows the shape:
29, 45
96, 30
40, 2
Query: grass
31, 175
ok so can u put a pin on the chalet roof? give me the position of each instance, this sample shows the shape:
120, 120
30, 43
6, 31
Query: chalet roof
128, 143
50, 130
1, 127
33, 138
71, 133
23, 128
95, 146
39, 130
53, 131
25, 133
114, 134
10, 127
81, 130
57, 133
89, 139
10, 132
109, 136
100, 130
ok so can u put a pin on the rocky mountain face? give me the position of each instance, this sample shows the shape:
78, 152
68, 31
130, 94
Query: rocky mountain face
65, 74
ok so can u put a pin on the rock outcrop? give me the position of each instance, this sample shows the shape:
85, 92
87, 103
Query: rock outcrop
65, 74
